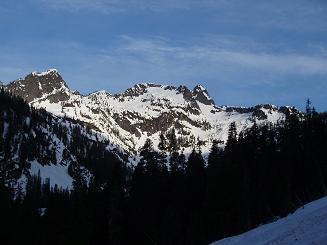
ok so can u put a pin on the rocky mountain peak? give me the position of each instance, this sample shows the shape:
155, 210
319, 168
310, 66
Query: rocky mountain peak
48, 80
138, 90
101, 93
39, 85
201, 94
187, 94
49, 72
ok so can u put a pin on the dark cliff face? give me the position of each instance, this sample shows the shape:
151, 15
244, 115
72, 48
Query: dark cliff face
187, 94
201, 94
37, 85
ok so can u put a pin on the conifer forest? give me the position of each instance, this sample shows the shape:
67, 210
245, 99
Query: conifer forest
259, 175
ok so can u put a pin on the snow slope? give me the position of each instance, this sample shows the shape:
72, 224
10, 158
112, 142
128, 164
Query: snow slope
308, 225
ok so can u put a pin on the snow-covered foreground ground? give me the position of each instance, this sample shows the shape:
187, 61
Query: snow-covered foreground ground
308, 225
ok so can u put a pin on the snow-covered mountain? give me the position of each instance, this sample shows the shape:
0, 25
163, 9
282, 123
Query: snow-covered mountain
308, 225
143, 111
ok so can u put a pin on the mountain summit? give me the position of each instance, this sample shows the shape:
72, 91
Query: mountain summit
144, 111
202, 95
38, 85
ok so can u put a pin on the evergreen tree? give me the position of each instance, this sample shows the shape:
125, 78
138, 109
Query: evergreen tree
214, 154
232, 137
173, 144
162, 143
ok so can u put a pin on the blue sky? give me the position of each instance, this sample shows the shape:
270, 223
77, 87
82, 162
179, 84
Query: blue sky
245, 52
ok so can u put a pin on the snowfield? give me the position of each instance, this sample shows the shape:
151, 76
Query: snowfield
308, 225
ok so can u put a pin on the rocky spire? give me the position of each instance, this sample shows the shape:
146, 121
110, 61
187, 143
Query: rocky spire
201, 94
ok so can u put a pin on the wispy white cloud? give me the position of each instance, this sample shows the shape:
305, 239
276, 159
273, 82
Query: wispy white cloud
214, 54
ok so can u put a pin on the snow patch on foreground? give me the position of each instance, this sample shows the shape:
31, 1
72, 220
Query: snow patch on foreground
308, 225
